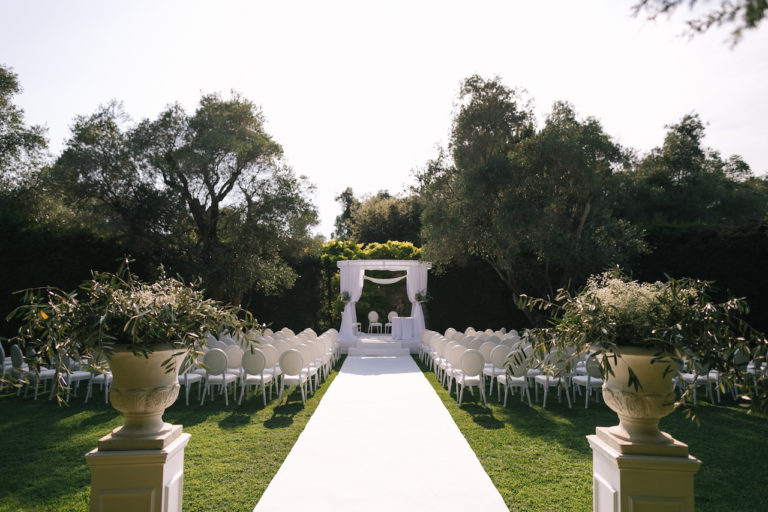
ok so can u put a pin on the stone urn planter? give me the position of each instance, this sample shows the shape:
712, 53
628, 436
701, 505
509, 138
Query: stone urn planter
142, 388
639, 408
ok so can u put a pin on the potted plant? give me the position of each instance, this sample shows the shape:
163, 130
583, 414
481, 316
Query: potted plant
144, 330
642, 334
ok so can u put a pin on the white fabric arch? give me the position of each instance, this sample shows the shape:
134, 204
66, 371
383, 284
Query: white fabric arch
352, 279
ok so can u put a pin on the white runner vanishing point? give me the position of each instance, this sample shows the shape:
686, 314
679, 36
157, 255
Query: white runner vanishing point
381, 439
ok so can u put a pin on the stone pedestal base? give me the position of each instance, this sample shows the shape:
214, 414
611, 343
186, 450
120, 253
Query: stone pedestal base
632, 482
131, 480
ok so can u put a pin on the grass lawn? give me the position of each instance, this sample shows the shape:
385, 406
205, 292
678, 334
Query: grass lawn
538, 459
232, 456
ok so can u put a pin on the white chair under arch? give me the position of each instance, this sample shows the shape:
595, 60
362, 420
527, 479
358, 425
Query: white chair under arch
215, 362
373, 321
388, 325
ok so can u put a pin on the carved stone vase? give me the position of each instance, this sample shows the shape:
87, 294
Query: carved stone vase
639, 409
142, 388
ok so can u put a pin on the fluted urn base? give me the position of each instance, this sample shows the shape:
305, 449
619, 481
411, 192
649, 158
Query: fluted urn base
142, 388
640, 409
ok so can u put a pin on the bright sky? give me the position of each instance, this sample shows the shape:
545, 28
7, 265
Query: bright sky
360, 93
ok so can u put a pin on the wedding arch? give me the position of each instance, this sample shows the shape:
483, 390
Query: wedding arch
353, 277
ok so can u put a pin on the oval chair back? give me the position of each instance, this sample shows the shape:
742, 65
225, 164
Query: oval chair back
254, 362
593, 368
234, 357
391, 315
373, 316
271, 354
499, 356
486, 349
449, 332
476, 344
215, 360
472, 363
454, 356
291, 362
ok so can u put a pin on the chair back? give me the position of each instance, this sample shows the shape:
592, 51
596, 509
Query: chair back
271, 353
454, 355
291, 362
17, 358
493, 339
593, 368
449, 332
216, 361
517, 367
234, 356
391, 315
472, 362
499, 356
373, 316
476, 344
469, 331
287, 331
254, 362
485, 349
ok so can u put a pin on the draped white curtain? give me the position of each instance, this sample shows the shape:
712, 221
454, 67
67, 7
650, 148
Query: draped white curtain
353, 276
352, 283
385, 281
417, 283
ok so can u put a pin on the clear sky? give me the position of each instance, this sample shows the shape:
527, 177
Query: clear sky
360, 93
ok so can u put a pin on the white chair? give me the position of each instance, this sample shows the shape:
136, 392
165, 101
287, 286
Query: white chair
20, 370
7, 365
498, 364
189, 376
72, 375
215, 362
273, 357
696, 378
592, 379
234, 361
553, 376
388, 325
373, 321
471, 374
103, 378
453, 365
515, 378
294, 374
254, 366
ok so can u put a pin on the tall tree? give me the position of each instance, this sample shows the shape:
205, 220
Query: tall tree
682, 181
342, 229
382, 217
213, 183
22, 147
534, 205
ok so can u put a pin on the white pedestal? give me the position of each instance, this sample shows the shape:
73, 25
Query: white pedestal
133, 480
632, 482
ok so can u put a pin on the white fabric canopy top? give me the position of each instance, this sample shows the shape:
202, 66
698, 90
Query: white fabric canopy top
353, 277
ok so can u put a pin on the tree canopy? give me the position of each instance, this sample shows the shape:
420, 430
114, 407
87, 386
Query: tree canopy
532, 203
209, 187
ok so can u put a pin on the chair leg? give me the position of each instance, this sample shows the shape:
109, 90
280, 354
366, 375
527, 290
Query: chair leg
202, 401
482, 394
263, 392
546, 390
460, 391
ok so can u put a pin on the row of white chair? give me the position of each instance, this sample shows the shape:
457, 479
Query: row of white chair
265, 363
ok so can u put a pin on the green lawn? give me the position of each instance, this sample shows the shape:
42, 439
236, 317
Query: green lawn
538, 459
232, 456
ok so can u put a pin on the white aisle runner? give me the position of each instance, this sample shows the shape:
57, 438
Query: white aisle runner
381, 439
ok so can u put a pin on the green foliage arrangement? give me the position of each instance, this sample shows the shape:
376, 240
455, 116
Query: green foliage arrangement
677, 317
118, 309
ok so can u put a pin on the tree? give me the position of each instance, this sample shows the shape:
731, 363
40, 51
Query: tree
682, 181
382, 217
210, 185
22, 147
741, 14
534, 205
348, 202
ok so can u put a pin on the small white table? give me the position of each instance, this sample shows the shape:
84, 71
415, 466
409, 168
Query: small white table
402, 328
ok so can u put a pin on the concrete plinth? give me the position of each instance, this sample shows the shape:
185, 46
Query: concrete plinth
132, 480
632, 482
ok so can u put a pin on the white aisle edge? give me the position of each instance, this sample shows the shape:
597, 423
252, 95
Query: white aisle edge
381, 439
